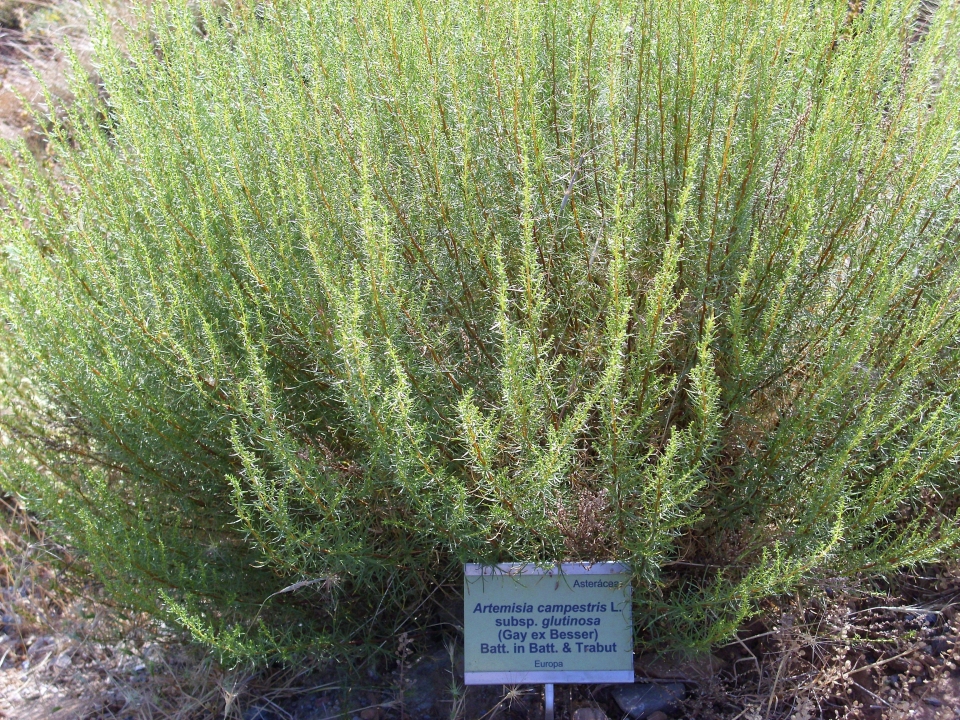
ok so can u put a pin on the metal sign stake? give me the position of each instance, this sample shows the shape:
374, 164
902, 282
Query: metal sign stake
548, 701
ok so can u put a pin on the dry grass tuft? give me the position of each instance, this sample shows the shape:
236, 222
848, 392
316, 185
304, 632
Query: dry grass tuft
864, 653
67, 653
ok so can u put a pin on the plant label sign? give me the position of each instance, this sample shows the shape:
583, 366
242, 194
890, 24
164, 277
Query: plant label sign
571, 623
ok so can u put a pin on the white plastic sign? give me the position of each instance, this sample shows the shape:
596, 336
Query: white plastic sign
570, 623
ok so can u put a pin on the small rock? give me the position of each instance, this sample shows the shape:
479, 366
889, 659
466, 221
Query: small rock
371, 713
589, 713
939, 645
9, 661
427, 683
659, 715
641, 700
40, 646
11, 623
63, 661
698, 667
935, 702
258, 712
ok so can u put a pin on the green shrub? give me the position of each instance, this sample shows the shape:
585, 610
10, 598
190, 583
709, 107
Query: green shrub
338, 295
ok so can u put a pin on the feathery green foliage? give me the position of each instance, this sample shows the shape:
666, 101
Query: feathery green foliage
345, 294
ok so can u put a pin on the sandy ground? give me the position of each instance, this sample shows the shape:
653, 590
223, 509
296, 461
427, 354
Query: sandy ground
30, 34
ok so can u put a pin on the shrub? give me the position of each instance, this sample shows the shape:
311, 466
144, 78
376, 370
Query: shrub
316, 301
